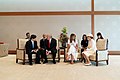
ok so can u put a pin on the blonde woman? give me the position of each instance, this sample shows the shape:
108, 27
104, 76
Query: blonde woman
91, 49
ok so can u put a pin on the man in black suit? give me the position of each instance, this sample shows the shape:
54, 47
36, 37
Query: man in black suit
51, 44
43, 46
32, 48
27, 35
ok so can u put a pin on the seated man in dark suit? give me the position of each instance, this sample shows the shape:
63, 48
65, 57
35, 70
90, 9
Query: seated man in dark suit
43, 46
32, 48
51, 44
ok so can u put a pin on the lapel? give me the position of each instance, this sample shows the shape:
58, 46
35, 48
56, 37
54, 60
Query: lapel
51, 42
30, 44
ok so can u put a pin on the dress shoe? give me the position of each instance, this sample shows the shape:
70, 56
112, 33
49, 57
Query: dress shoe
37, 63
30, 64
45, 62
54, 62
71, 62
88, 64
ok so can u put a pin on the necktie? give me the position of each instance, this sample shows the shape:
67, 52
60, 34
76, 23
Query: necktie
48, 43
33, 44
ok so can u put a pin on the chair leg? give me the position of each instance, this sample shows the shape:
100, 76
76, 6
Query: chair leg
79, 59
107, 62
96, 63
23, 62
16, 60
58, 55
58, 59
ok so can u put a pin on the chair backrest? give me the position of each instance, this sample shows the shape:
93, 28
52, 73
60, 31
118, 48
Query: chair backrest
102, 44
58, 43
21, 43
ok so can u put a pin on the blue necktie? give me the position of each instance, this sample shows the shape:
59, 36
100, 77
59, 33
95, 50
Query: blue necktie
33, 44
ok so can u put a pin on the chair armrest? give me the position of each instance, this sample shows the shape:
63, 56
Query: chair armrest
20, 54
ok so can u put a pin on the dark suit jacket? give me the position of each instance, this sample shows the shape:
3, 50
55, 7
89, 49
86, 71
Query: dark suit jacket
53, 45
29, 47
42, 43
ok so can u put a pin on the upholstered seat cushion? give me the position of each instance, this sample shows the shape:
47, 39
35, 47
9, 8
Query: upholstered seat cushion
102, 55
3, 50
20, 55
50, 56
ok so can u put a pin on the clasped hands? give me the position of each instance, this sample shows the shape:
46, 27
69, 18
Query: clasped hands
35, 50
48, 52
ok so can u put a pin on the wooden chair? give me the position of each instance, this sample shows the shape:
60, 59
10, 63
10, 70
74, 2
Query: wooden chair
21, 52
102, 51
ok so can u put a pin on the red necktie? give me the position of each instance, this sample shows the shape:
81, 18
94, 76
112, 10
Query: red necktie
48, 43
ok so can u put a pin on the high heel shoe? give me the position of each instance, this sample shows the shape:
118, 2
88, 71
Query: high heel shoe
87, 64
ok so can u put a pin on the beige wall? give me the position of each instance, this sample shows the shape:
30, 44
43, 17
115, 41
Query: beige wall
13, 27
45, 5
107, 5
110, 28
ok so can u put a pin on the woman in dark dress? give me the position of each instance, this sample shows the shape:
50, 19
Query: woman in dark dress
84, 44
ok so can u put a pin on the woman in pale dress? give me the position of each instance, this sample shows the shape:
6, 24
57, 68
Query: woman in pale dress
91, 49
72, 48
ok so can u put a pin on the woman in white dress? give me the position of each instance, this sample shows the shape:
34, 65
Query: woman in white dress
72, 48
91, 49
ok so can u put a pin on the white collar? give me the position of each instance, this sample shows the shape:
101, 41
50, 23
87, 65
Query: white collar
32, 41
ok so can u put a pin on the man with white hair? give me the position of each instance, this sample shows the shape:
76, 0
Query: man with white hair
51, 44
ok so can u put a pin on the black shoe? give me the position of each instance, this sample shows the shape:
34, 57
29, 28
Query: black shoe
54, 62
30, 64
42, 60
45, 62
37, 63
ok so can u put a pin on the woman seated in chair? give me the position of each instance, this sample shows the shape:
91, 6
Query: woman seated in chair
72, 48
99, 36
91, 49
84, 44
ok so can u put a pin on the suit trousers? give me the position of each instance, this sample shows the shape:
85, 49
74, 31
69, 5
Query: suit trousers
37, 59
53, 52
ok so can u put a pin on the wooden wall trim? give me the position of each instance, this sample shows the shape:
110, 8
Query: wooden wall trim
114, 52
11, 51
60, 13
92, 5
45, 13
92, 17
106, 13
